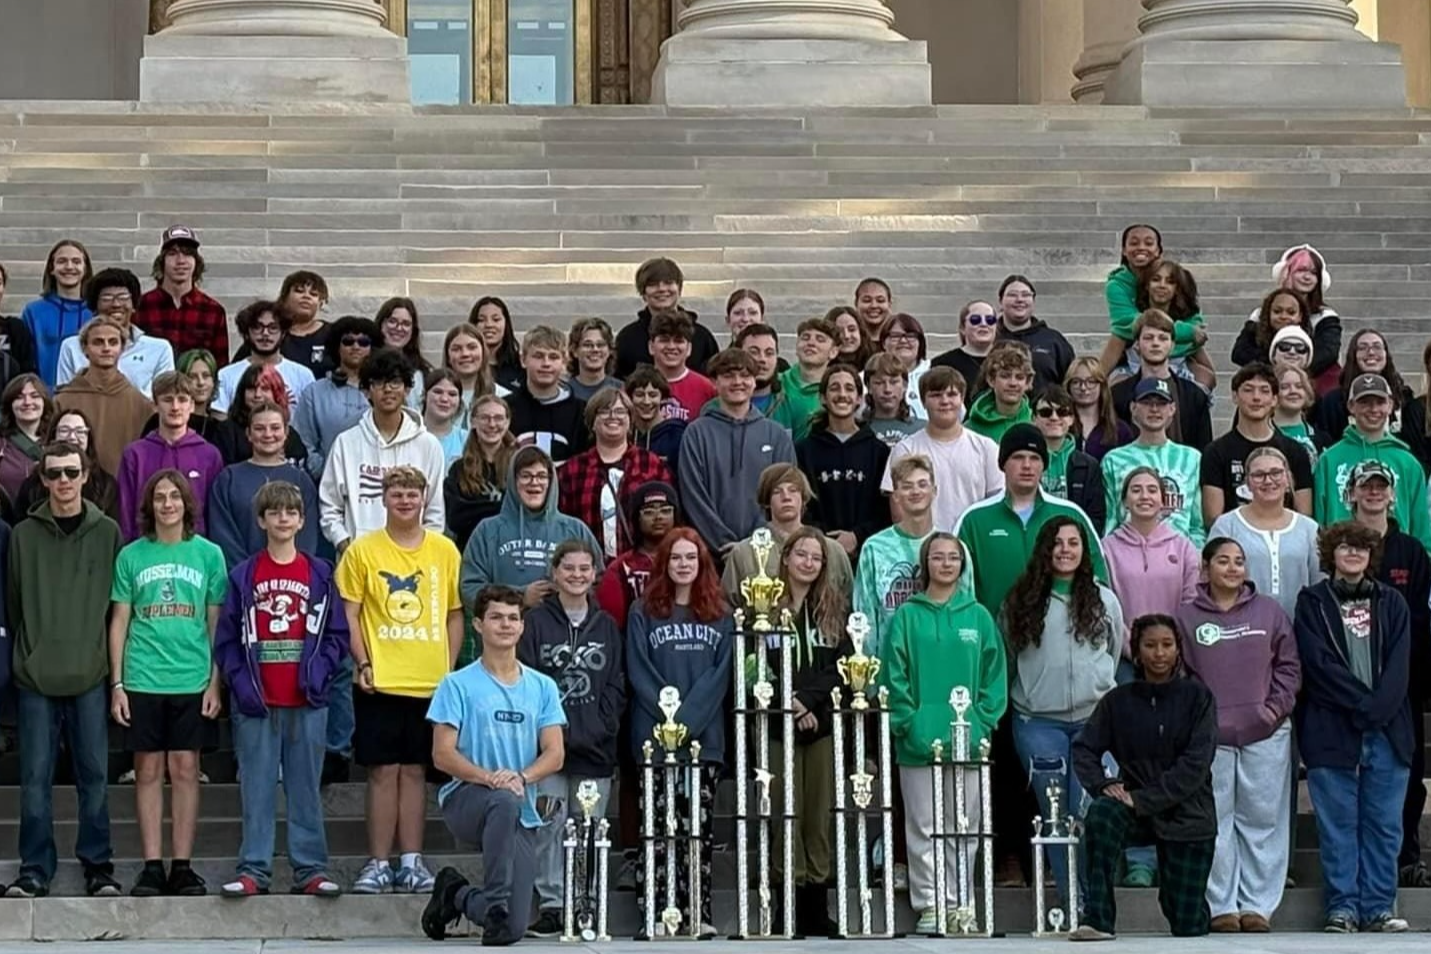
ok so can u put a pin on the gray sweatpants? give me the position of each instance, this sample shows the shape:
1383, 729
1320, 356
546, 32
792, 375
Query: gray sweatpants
1249, 786
490, 820
551, 859
917, 786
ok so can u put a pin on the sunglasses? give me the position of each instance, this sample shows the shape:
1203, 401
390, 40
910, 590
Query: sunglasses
1292, 347
69, 473
982, 319
1045, 411
359, 341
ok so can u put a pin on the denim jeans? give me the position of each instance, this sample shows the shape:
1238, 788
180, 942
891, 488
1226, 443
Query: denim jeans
294, 738
1045, 749
340, 710
84, 720
1359, 829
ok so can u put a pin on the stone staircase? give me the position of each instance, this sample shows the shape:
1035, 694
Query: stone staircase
553, 209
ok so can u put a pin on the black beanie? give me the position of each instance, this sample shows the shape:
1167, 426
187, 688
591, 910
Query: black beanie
1022, 437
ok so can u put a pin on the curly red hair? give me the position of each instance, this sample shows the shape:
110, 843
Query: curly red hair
707, 598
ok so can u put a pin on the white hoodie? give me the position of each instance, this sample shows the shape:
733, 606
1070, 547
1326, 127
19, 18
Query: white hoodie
350, 496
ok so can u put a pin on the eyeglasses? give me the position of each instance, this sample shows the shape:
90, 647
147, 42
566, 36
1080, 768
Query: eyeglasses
901, 336
1348, 549
491, 419
989, 320
68, 473
1266, 476
265, 328
618, 412
1083, 384
64, 432
658, 510
1370, 347
356, 341
1045, 411
396, 384
398, 324
534, 479
1293, 347
122, 298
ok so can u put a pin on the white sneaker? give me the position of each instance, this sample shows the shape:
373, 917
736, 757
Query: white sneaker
928, 922
414, 880
375, 878
125, 778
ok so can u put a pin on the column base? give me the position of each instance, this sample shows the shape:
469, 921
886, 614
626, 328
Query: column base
696, 71
1268, 74
187, 68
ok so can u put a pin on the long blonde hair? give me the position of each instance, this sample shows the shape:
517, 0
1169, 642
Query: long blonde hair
1107, 420
477, 476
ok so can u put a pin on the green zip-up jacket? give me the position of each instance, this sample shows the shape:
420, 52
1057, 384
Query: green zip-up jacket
932, 648
984, 417
58, 599
999, 543
797, 404
1334, 467
1121, 293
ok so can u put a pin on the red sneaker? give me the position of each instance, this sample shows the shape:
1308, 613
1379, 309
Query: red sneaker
244, 886
320, 886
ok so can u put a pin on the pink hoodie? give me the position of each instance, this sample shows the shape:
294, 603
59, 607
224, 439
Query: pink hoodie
1153, 574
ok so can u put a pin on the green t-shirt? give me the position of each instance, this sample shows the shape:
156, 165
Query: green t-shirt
1302, 434
169, 588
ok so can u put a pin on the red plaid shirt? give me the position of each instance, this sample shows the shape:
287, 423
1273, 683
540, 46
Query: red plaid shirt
198, 322
582, 478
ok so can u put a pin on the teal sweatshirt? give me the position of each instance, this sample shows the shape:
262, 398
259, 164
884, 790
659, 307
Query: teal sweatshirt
885, 579
1121, 293
1180, 468
1334, 467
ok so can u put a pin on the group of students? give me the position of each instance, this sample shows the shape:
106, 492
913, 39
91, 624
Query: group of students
323, 531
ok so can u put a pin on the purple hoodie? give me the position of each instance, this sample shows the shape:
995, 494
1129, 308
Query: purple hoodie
1247, 656
192, 456
1153, 574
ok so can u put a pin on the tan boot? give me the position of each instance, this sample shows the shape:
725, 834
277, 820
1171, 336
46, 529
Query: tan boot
1225, 924
1254, 923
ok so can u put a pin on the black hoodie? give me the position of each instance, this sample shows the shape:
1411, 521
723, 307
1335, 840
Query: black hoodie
1405, 567
633, 344
557, 425
845, 476
1052, 354
589, 667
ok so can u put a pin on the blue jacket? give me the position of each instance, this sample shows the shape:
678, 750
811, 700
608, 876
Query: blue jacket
325, 639
1336, 709
50, 320
229, 516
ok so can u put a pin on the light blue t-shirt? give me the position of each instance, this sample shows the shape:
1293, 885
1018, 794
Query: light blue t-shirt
498, 726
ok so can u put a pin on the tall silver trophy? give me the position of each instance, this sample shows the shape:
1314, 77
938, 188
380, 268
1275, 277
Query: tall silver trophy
972, 843
585, 892
1059, 832
674, 776
767, 632
858, 672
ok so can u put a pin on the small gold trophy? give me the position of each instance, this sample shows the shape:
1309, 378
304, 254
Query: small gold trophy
762, 592
670, 735
587, 796
858, 670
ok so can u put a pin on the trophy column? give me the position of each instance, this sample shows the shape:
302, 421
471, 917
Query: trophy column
668, 776
972, 843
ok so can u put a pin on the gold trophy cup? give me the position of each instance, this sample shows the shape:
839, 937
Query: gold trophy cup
762, 592
670, 735
858, 670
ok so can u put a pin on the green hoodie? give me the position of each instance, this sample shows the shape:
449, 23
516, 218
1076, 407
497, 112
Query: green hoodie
1121, 293
999, 543
984, 417
58, 599
932, 648
1334, 467
797, 404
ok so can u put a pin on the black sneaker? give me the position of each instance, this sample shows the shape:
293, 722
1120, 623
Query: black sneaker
548, 924
101, 884
185, 882
441, 909
151, 882
27, 886
1415, 876
497, 929
1339, 924
336, 769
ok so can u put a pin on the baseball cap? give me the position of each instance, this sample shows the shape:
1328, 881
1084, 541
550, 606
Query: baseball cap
1364, 385
1153, 388
1022, 437
1369, 470
176, 234
655, 492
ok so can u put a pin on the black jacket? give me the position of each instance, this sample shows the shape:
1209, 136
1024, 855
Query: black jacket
1326, 345
1163, 736
845, 476
1052, 354
17, 342
1336, 709
589, 665
1192, 426
967, 365
464, 512
1405, 567
633, 344
815, 675
1084, 476
557, 427
1413, 431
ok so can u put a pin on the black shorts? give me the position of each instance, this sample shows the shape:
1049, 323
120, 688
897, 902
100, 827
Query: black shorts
390, 730
165, 723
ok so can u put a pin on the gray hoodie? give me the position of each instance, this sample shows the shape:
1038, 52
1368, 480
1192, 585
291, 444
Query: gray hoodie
1063, 678
719, 469
514, 547
326, 409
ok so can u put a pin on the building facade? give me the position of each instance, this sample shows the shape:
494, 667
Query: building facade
609, 51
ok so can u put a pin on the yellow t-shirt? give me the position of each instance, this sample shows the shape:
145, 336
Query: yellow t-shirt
405, 597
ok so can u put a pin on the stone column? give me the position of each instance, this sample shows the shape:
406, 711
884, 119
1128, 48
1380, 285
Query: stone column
1265, 54
1050, 39
790, 53
268, 51
1108, 26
